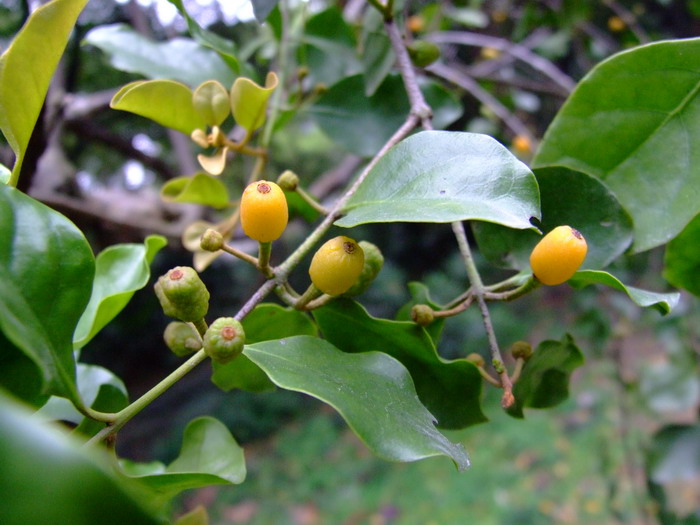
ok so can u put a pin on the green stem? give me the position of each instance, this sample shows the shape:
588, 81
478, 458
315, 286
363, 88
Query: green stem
122, 417
310, 294
308, 199
241, 255
511, 295
478, 292
264, 253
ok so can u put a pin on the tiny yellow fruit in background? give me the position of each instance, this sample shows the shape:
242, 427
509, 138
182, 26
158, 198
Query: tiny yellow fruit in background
264, 212
558, 255
522, 144
616, 24
336, 265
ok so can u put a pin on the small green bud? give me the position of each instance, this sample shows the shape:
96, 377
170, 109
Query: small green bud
224, 340
521, 350
477, 359
423, 53
288, 180
212, 240
181, 338
374, 260
182, 294
422, 314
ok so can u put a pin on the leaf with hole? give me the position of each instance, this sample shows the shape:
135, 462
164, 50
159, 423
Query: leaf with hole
443, 176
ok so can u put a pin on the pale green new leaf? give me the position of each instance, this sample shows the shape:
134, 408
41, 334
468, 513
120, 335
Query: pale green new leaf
26, 68
120, 270
249, 101
199, 189
166, 102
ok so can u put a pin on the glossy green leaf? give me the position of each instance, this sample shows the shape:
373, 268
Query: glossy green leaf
120, 270
329, 50
544, 381
682, 259
263, 8
46, 271
19, 375
210, 100
89, 379
249, 101
266, 322
224, 47
199, 189
180, 59
568, 197
363, 124
451, 390
632, 122
52, 479
209, 456
663, 302
166, 102
442, 176
372, 391
26, 68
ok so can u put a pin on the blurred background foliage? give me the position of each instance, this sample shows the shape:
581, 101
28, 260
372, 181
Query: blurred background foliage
624, 447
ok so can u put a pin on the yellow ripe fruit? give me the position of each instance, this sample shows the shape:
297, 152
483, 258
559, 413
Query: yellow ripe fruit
616, 24
558, 255
264, 212
336, 265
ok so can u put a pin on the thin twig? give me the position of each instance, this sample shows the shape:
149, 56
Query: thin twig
478, 292
522, 53
483, 96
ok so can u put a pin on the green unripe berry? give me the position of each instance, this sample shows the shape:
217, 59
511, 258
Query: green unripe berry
422, 314
423, 53
224, 340
521, 350
288, 180
374, 260
181, 338
212, 240
336, 265
476, 359
182, 294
